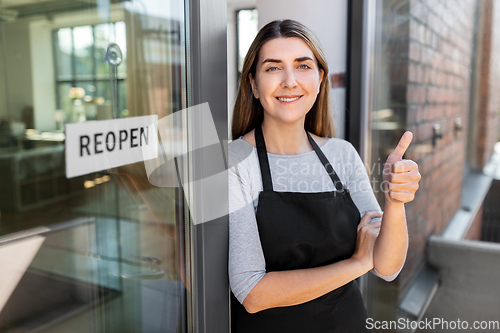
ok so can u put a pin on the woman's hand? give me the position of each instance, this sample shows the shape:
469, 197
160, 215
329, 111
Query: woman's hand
367, 234
400, 176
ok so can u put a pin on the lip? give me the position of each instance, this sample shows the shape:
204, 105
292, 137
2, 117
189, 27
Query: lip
289, 96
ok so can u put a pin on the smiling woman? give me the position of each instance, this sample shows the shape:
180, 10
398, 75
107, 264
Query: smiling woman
298, 241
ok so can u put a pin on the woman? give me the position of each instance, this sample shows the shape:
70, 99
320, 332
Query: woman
297, 239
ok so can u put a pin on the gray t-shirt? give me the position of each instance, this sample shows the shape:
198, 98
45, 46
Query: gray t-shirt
294, 173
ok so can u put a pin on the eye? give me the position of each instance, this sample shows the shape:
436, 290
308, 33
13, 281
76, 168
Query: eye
304, 66
271, 69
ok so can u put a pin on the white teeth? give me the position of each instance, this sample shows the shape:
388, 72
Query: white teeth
288, 99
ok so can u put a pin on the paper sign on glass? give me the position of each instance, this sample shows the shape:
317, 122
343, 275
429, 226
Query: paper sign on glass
103, 144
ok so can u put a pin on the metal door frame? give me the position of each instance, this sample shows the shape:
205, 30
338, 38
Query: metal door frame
206, 32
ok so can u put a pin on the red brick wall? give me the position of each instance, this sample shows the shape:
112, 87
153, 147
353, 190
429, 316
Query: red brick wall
440, 50
488, 86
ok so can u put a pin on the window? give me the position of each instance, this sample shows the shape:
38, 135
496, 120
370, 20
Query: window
247, 28
80, 61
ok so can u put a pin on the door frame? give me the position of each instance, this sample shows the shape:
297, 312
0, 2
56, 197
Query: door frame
206, 31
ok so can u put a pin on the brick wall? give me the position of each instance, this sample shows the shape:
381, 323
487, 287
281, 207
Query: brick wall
487, 105
439, 54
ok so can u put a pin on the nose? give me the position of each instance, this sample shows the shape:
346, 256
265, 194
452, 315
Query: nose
289, 80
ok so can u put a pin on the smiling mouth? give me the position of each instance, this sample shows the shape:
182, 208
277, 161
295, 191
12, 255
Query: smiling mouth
288, 100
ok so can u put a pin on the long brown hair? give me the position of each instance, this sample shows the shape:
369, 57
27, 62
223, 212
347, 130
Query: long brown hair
248, 112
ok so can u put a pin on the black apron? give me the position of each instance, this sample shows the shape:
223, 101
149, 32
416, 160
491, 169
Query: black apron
305, 230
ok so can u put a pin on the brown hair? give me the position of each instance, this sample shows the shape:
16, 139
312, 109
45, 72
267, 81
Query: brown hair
249, 113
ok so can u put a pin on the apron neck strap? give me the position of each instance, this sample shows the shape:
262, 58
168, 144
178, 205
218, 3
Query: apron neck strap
266, 171
263, 161
328, 166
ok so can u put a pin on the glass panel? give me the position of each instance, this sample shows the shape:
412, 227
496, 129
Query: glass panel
103, 90
84, 43
122, 95
64, 53
103, 36
387, 121
105, 251
388, 118
65, 101
121, 40
88, 86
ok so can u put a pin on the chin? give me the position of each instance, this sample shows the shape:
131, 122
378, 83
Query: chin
287, 116
290, 121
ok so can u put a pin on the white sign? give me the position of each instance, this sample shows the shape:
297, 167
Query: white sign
99, 145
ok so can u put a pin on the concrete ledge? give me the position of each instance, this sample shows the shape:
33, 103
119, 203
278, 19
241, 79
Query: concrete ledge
467, 253
420, 294
468, 270
38, 231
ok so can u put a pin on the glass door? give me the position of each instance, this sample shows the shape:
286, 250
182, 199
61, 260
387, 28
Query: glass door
383, 115
104, 251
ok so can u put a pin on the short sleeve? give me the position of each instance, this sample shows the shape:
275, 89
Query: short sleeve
359, 184
388, 278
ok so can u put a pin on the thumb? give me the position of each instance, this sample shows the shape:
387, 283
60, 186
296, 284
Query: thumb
401, 148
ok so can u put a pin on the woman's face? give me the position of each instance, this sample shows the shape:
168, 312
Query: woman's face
287, 79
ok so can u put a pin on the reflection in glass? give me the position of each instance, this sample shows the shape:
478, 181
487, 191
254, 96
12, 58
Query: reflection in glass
104, 34
64, 53
82, 63
122, 88
386, 119
122, 43
388, 115
83, 44
65, 102
103, 90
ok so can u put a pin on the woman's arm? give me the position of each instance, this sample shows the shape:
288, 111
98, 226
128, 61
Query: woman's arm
401, 179
286, 288
391, 245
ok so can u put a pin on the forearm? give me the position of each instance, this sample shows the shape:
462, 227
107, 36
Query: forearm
391, 245
286, 288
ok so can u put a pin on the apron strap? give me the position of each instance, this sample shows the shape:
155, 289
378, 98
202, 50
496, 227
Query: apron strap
328, 166
267, 182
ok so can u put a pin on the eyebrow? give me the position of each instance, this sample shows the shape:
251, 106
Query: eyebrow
279, 61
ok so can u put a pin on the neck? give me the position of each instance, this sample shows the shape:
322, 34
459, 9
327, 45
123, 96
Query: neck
285, 139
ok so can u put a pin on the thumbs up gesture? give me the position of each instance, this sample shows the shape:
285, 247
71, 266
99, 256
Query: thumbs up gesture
400, 176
